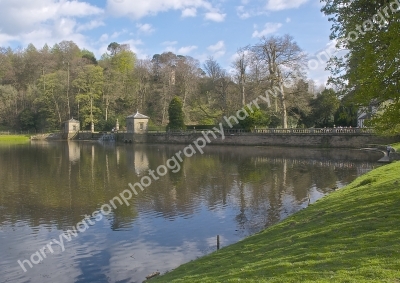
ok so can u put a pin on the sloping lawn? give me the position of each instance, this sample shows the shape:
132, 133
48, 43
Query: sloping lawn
351, 235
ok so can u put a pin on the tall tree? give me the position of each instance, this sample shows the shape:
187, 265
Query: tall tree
284, 61
240, 65
369, 71
324, 107
90, 86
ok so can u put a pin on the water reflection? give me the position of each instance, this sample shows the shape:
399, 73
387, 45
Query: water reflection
46, 188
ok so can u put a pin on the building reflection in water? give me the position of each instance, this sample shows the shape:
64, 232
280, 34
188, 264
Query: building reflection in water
74, 151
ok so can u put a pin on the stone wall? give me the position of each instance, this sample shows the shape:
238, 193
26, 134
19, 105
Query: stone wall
297, 140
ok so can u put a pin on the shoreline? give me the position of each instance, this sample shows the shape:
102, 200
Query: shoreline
349, 235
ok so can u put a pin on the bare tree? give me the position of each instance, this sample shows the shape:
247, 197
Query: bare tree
285, 62
240, 66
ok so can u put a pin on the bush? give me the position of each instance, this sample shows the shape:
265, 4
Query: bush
175, 114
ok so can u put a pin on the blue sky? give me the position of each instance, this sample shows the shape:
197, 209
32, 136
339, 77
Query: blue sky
198, 28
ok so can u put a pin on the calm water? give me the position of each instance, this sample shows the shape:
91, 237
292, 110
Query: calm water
45, 188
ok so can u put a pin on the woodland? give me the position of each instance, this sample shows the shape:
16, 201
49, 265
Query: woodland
41, 88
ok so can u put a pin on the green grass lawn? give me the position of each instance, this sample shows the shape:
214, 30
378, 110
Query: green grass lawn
14, 139
351, 235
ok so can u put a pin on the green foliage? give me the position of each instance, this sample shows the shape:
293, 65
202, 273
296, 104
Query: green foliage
7, 104
275, 121
350, 235
88, 55
346, 116
105, 125
256, 118
175, 114
368, 73
27, 120
207, 121
324, 108
52, 100
57, 84
124, 61
89, 83
386, 121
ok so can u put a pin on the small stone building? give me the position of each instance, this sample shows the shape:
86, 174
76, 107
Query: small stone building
71, 126
137, 123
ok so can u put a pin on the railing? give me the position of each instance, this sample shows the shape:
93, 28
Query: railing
316, 131
296, 131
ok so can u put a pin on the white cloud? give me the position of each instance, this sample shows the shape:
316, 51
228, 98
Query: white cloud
277, 5
5, 39
145, 28
189, 12
104, 37
90, 25
179, 51
117, 34
242, 13
268, 29
215, 16
245, 13
288, 20
46, 21
137, 9
169, 43
19, 16
217, 49
317, 62
186, 50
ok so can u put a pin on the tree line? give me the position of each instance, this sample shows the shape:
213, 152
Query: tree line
42, 88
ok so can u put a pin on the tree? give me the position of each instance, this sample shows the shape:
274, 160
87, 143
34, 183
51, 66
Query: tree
175, 114
218, 85
369, 71
324, 108
88, 55
347, 114
256, 118
284, 61
8, 107
240, 65
90, 86
52, 101
27, 119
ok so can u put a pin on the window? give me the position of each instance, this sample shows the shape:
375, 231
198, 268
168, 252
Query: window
141, 126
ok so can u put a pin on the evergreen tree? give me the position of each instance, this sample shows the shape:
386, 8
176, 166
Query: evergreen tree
175, 114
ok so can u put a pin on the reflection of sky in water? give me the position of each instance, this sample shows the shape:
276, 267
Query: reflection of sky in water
173, 222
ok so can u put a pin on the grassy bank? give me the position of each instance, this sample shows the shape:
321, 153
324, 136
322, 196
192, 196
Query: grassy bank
13, 139
352, 235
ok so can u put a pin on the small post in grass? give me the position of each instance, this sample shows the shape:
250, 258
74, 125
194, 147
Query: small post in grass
217, 242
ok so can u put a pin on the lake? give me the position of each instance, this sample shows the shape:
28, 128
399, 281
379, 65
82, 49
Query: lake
46, 188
